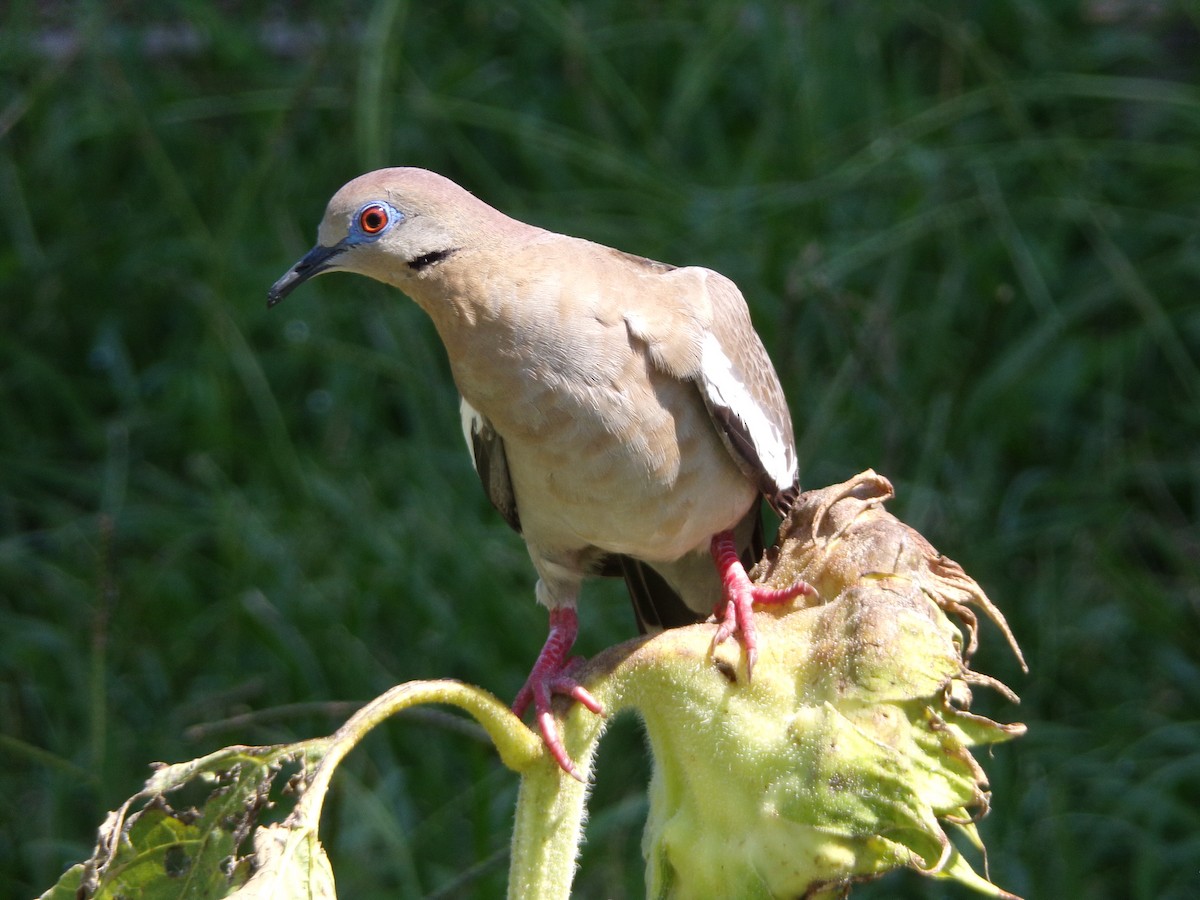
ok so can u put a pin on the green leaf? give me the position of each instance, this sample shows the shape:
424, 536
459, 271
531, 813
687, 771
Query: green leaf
290, 864
67, 886
163, 855
148, 849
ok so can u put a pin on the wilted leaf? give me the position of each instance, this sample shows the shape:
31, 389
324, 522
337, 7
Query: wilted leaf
290, 864
67, 886
148, 849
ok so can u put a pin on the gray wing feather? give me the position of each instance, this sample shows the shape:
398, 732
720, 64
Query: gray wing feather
491, 464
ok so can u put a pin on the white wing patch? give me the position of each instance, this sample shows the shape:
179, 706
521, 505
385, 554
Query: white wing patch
735, 409
472, 425
490, 462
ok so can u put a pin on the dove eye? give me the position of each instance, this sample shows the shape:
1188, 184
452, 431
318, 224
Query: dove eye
373, 219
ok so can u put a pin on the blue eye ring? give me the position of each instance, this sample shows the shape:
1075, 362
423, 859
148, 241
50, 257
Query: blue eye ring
373, 218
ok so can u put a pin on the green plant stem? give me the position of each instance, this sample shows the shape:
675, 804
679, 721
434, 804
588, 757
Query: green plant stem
518, 747
551, 807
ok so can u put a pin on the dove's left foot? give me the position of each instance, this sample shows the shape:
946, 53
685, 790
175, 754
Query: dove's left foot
735, 613
552, 674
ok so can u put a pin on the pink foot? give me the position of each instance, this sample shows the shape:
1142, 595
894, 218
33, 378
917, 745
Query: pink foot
736, 612
551, 675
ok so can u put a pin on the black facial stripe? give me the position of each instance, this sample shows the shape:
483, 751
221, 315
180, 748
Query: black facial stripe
423, 262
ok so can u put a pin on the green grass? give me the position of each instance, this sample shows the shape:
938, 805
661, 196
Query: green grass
968, 233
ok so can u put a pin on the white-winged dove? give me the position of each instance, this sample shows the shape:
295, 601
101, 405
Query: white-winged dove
622, 413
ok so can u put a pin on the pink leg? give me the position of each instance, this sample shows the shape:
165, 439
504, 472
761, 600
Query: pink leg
735, 613
551, 675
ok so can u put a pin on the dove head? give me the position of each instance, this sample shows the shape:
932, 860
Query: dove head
396, 226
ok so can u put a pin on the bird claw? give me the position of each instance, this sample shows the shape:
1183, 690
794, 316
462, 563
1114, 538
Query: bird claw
554, 674
740, 595
543, 693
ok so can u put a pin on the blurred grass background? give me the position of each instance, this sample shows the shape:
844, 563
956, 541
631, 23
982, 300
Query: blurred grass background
968, 233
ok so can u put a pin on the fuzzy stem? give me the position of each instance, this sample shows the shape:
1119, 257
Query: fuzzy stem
518, 746
552, 806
